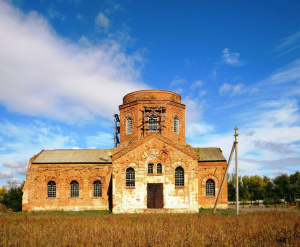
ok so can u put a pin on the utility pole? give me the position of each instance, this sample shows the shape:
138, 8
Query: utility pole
236, 170
234, 148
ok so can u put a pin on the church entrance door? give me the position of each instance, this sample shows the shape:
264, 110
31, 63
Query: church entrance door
155, 196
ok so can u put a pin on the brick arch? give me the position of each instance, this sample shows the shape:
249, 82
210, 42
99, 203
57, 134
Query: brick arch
93, 179
57, 185
51, 178
79, 180
132, 165
180, 163
216, 180
129, 114
154, 161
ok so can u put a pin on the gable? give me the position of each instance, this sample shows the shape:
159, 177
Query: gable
156, 142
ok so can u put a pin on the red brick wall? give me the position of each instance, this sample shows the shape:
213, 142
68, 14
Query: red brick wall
214, 171
35, 189
133, 106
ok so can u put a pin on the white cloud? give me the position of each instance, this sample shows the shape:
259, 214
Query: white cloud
290, 74
6, 174
14, 164
194, 109
15, 181
178, 81
45, 75
231, 58
197, 84
79, 17
269, 131
289, 44
101, 20
99, 140
231, 89
23, 140
194, 129
54, 14
202, 93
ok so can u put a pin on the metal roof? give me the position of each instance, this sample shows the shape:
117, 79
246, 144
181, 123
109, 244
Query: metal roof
68, 156
211, 154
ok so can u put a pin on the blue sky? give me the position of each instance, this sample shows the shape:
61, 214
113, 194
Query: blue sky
66, 65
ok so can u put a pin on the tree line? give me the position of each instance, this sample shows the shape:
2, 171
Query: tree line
271, 191
11, 197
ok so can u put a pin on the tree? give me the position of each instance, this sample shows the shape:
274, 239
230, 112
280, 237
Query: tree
12, 198
282, 187
295, 185
2, 192
231, 187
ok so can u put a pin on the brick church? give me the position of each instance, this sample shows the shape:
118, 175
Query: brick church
150, 168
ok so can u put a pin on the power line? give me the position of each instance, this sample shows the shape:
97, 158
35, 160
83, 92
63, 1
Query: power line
260, 143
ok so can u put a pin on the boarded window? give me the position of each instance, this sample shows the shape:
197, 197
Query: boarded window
128, 125
130, 177
97, 187
210, 187
176, 125
153, 122
74, 189
158, 168
179, 176
51, 189
150, 168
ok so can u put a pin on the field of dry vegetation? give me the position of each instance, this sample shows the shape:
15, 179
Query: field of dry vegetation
92, 229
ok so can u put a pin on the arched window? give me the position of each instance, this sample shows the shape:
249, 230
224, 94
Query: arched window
97, 187
153, 122
51, 189
158, 168
130, 178
150, 168
210, 187
74, 189
179, 176
128, 125
176, 125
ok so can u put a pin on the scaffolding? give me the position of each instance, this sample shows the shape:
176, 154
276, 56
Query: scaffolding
155, 124
116, 130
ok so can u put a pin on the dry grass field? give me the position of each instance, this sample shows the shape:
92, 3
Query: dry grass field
273, 228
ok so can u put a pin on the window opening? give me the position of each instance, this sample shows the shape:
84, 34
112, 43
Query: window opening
176, 125
129, 125
179, 176
210, 187
150, 168
51, 189
74, 189
158, 168
153, 122
97, 186
130, 178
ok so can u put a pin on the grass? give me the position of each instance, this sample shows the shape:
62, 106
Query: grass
207, 211
97, 228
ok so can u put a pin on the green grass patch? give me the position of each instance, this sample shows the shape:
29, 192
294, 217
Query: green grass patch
208, 211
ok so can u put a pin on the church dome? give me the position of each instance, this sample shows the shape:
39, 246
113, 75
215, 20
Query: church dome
154, 94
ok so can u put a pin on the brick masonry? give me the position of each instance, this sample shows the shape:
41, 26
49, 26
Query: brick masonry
136, 151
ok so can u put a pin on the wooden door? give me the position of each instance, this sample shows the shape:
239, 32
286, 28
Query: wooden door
155, 196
